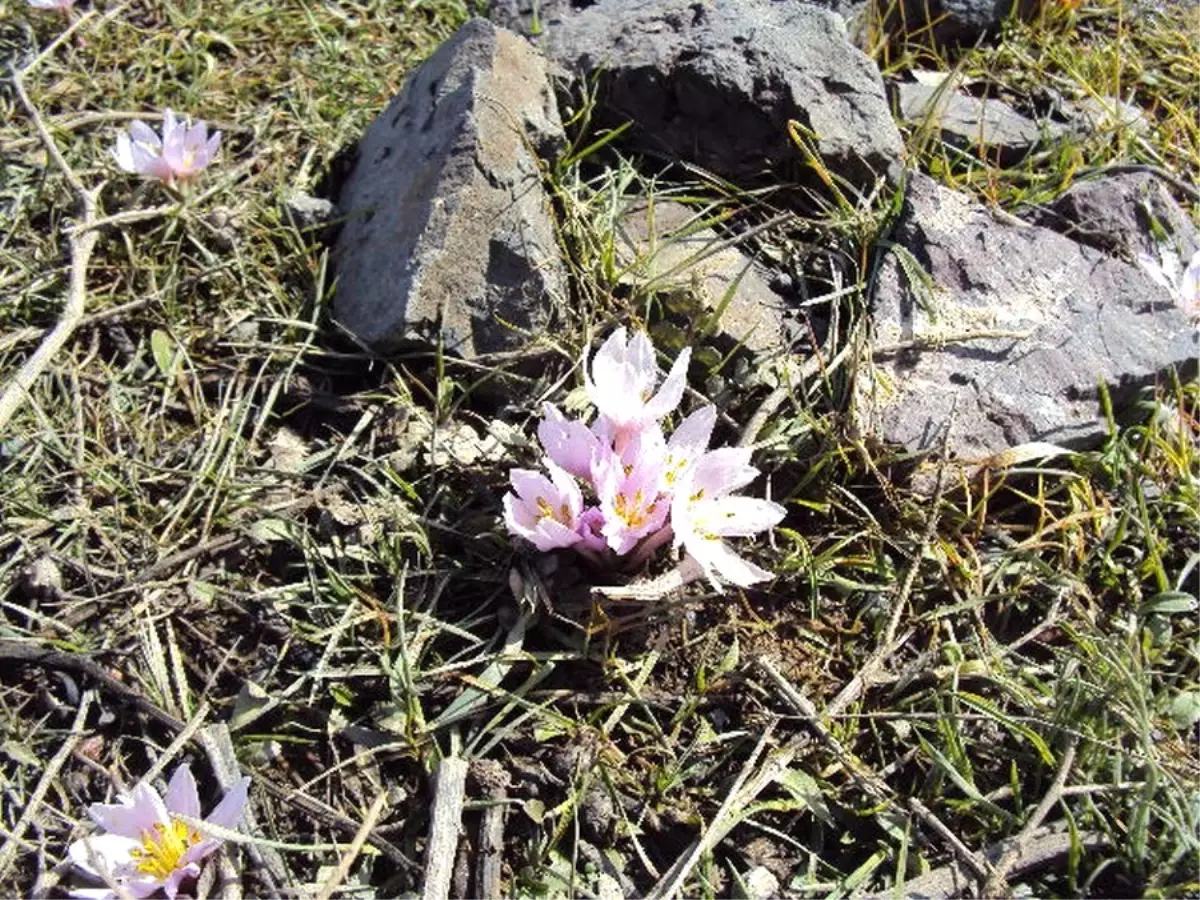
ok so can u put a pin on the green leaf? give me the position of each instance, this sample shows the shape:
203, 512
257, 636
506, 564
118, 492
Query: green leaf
1168, 603
268, 530
1185, 709
163, 350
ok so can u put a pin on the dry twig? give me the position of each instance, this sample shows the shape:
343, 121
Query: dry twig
444, 825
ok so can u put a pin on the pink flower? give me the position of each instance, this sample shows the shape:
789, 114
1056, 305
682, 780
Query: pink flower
147, 844
703, 512
182, 153
630, 490
622, 378
544, 511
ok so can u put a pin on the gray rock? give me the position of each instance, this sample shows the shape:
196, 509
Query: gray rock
532, 18
1092, 114
716, 83
1060, 317
1124, 214
951, 22
990, 128
448, 232
665, 246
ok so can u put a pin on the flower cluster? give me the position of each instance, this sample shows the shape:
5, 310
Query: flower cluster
182, 152
151, 843
643, 487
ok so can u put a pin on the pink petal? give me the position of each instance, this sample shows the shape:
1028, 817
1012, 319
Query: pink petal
181, 796
568, 443
150, 164
228, 813
141, 810
171, 885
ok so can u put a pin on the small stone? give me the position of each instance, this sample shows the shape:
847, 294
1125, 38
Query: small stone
1125, 214
42, 579
761, 884
307, 212
661, 245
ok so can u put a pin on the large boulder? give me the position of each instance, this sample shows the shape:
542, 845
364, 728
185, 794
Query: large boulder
715, 84
1004, 330
448, 233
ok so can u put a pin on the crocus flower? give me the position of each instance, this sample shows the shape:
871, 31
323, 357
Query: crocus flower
1183, 286
59, 5
544, 511
704, 511
146, 844
622, 378
630, 491
182, 152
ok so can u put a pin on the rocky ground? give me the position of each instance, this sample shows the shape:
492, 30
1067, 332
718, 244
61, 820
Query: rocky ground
931, 260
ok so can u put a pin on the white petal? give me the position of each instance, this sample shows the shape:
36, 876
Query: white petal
671, 392
717, 555
143, 134
1189, 284
138, 812
738, 516
123, 153
694, 432
102, 853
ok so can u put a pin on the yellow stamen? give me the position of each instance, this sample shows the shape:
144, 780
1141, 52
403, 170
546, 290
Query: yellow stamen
632, 514
547, 511
163, 848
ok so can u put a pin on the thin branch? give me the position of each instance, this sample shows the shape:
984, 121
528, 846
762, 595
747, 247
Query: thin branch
360, 838
82, 245
996, 882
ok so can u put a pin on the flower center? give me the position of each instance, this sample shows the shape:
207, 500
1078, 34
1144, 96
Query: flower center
547, 511
163, 848
633, 514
